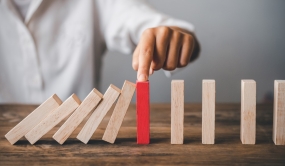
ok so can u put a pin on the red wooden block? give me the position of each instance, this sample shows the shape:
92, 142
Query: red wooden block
142, 112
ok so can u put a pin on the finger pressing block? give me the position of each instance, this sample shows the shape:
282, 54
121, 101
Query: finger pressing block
97, 116
33, 119
88, 104
119, 112
143, 112
65, 109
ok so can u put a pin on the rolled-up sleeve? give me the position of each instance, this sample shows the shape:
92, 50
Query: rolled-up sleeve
123, 21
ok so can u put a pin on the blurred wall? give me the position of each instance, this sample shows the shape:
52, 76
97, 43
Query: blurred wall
240, 39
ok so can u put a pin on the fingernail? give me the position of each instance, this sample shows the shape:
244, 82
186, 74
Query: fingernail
142, 77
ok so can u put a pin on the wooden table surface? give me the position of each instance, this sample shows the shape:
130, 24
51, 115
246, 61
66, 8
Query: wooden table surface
227, 149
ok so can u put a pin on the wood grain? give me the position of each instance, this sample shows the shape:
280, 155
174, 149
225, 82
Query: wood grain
279, 113
143, 113
34, 118
208, 111
226, 151
88, 104
248, 112
54, 118
177, 111
119, 112
97, 116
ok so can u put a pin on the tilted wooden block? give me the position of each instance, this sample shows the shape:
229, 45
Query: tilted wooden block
55, 117
143, 135
119, 112
279, 113
248, 112
88, 104
208, 112
33, 119
97, 116
177, 111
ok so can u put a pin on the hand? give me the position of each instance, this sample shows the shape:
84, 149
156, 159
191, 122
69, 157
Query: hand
163, 47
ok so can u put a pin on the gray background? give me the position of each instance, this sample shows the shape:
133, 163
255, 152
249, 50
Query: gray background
240, 39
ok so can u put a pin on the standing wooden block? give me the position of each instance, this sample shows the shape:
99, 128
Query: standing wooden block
97, 116
143, 112
177, 111
88, 104
33, 119
119, 112
279, 113
65, 109
208, 112
248, 112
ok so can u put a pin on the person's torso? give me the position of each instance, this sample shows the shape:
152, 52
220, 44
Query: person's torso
53, 50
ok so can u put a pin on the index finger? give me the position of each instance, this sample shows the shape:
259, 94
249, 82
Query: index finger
147, 44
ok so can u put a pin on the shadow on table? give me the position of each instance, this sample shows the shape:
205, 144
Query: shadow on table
228, 139
125, 140
159, 140
40, 142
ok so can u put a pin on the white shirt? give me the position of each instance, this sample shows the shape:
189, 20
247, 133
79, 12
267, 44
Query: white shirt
58, 46
22, 6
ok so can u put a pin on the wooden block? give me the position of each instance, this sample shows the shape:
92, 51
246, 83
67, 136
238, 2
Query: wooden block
248, 112
33, 119
279, 113
55, 117
208, 112
143, 135
177, 111
88, 104
119, 112
97, 116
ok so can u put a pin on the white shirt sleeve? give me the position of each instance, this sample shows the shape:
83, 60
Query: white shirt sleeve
123, 22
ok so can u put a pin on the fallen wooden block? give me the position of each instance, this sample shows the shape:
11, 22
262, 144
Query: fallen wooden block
55, 117
248, 112
208, 112
143, 112
279, 113
97, 116
88, 104
119, 112
177, 111
33, 119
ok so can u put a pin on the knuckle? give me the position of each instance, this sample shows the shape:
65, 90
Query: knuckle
148, 31
177, 35
189, 39
164, 30
146, 51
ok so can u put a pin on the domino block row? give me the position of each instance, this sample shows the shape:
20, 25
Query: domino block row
248, 112
53, 111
